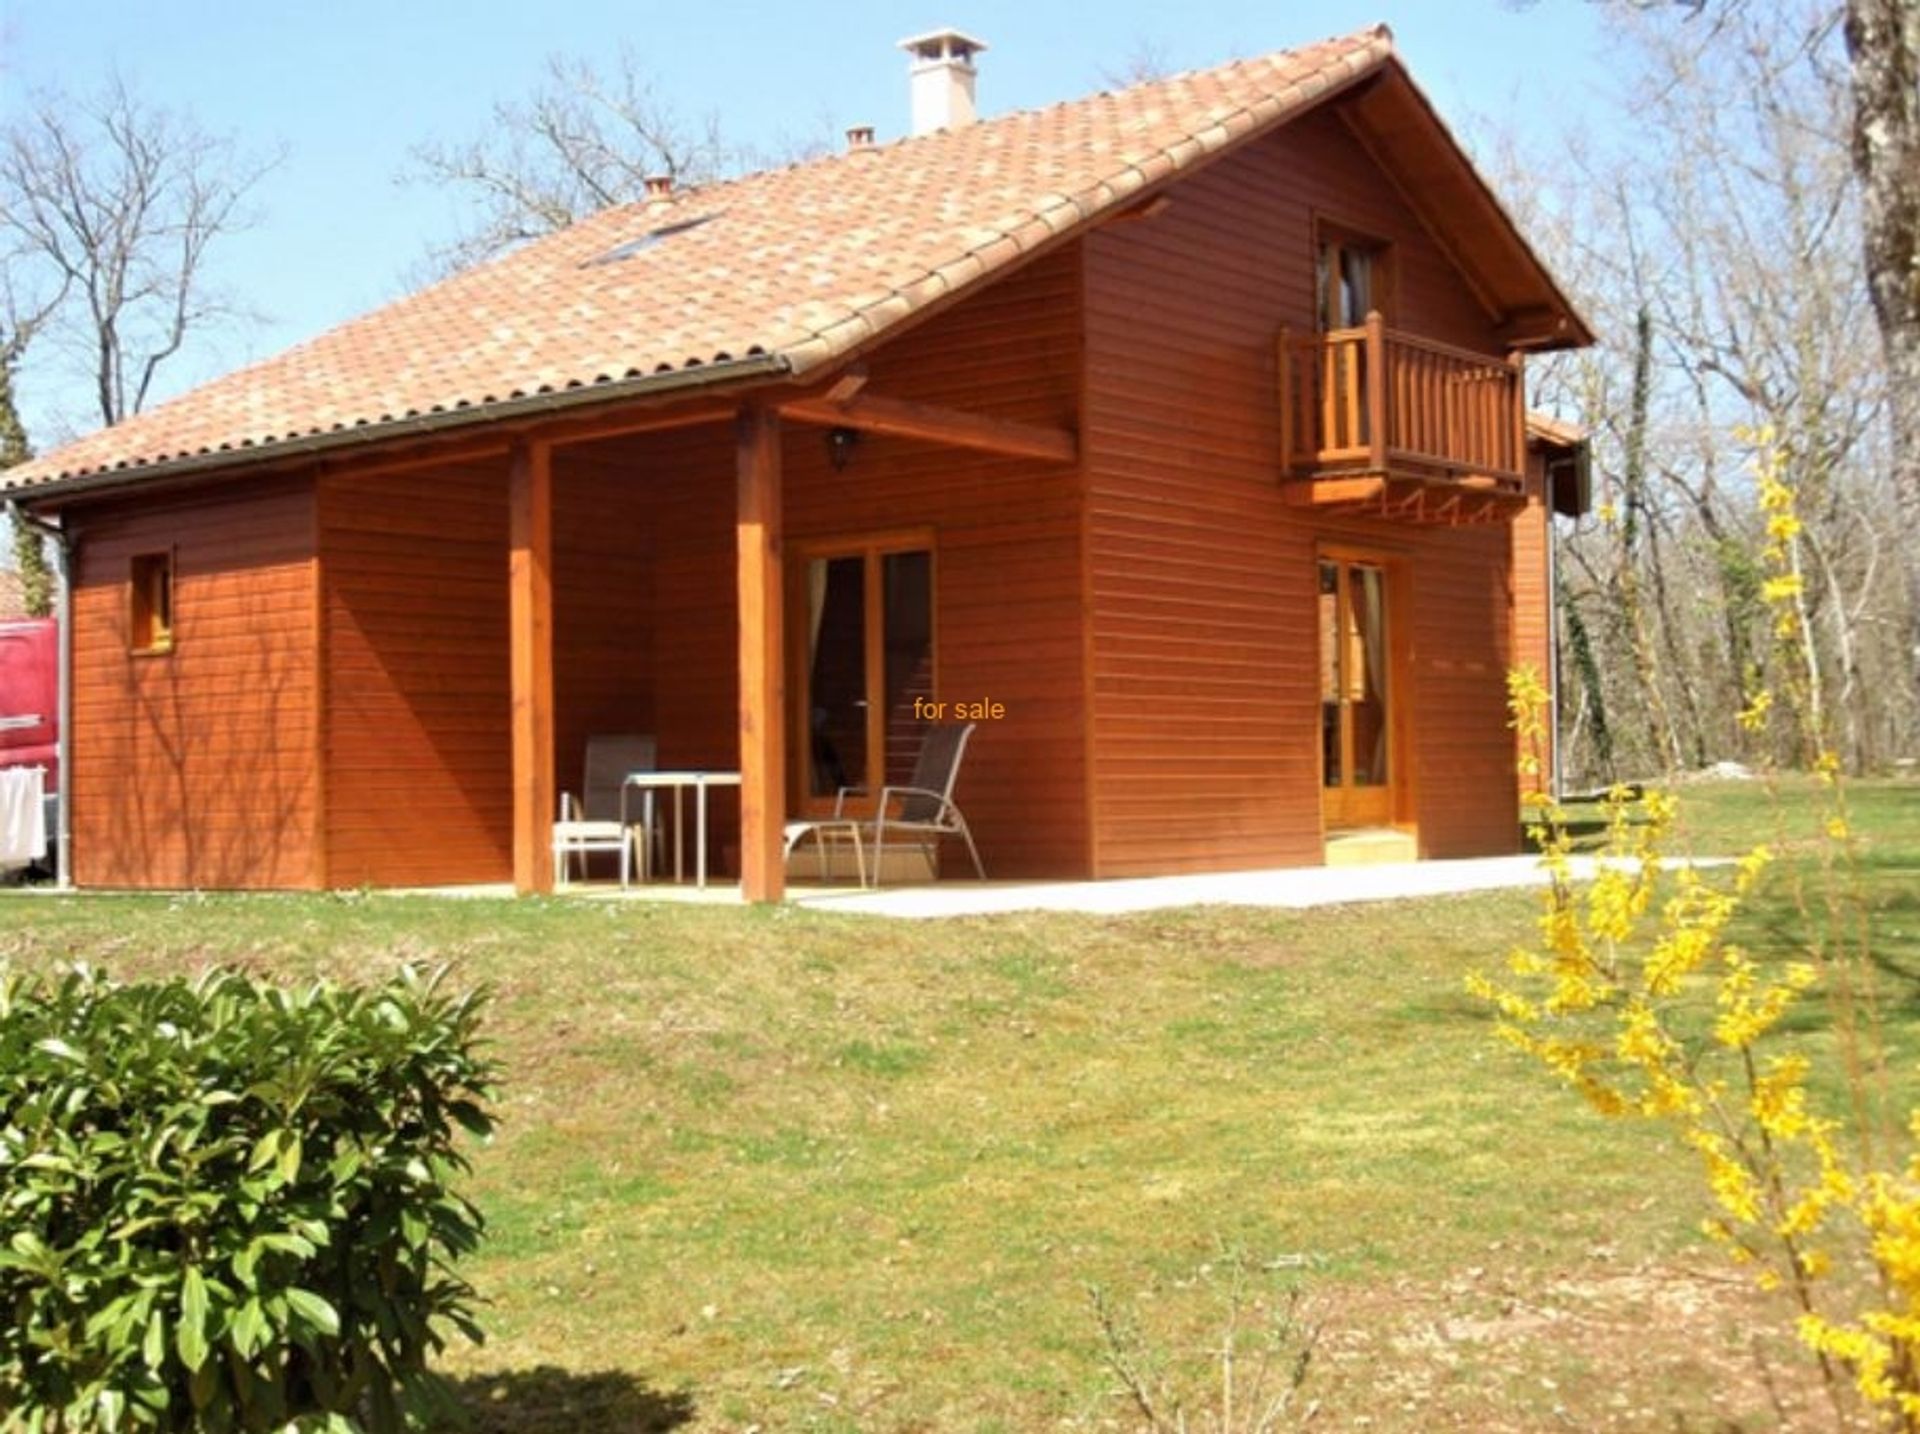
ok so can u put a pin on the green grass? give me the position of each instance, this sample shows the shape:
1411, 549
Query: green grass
793, 1170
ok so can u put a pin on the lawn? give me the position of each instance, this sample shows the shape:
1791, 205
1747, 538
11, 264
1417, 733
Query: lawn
786, 1170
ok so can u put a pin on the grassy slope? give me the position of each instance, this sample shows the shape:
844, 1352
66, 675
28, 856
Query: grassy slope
811, 1171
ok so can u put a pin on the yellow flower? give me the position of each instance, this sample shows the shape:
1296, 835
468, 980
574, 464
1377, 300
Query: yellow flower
1779, 1100
1753, 717
1733, 1186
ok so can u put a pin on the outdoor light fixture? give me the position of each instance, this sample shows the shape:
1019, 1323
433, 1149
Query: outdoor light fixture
840, 445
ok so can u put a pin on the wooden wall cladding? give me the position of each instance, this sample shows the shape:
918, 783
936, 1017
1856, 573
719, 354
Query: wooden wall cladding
605, 565
418, 749
1201, 580
1533, 583
195, 767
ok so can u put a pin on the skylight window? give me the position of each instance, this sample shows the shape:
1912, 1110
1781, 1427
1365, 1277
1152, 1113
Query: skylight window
649, 239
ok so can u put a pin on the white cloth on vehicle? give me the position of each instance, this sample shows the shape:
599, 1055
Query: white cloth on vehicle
23, 815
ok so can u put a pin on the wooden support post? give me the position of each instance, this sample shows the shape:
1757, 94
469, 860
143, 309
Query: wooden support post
530, 643
1376, 391
763, 785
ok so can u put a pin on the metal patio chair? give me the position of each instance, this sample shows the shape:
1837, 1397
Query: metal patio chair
593, 823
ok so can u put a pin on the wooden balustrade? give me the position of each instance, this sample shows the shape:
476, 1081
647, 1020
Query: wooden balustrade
1376, 400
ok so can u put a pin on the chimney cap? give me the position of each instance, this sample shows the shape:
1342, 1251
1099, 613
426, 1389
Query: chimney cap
938, 45
659, 186
860, 136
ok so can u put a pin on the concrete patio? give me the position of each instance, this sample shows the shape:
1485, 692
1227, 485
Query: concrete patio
1286, 887
1289, 887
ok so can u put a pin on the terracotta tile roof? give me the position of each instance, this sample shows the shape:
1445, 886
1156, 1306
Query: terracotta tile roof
798, 265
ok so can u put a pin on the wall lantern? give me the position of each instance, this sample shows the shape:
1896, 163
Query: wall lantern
840, 445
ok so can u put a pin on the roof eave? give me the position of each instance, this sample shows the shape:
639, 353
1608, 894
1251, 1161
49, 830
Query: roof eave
731, 372
1562, 325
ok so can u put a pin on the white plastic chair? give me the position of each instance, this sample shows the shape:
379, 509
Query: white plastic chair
593, 823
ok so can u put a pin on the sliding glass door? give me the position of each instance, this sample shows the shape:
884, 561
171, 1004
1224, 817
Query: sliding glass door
861, 659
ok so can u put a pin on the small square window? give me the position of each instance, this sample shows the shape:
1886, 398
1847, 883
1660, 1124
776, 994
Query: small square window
151, 612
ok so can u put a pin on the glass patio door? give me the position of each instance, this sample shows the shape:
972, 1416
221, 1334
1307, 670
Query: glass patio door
1356, 729
860, 644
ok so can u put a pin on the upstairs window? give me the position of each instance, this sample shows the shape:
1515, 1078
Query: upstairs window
151, 608
1354, 276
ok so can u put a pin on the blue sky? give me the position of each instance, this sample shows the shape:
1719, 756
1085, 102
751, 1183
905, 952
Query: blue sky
344, 89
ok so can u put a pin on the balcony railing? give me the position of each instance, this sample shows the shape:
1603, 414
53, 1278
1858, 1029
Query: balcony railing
1375, 401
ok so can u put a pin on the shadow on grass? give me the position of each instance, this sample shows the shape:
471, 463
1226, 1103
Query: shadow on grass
549, 1400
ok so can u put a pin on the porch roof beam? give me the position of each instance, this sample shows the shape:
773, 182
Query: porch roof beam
935, 423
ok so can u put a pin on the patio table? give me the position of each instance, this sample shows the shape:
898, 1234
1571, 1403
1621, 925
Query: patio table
677, 782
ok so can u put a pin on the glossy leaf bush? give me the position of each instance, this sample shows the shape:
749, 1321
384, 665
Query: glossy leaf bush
230, 1206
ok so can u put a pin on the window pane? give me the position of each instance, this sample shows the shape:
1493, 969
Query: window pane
907, 596
1368, 710
1330, 674
1356, 284
837, 674
150, 609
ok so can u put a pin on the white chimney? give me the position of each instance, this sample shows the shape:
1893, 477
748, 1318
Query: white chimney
941, 79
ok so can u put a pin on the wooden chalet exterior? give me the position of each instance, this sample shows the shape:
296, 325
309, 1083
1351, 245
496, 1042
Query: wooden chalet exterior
1220, 486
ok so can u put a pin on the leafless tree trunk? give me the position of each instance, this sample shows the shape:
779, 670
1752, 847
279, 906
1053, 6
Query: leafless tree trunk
1883, 48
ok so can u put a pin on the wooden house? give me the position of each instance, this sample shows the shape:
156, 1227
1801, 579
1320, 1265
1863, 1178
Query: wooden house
1183, 426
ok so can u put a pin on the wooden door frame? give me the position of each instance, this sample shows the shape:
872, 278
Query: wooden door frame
869, 546
1396, 568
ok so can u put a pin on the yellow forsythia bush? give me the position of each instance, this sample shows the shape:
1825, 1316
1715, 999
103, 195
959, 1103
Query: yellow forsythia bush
1636, 994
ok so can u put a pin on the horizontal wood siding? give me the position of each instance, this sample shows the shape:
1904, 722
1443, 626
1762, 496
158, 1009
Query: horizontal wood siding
1201, 580
418, 749
196, 768
1533, 587
604, 565
1466, 793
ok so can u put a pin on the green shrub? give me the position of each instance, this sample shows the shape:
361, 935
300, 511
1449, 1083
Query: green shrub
227, 1206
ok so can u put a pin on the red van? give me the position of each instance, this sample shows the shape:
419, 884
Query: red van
29, 698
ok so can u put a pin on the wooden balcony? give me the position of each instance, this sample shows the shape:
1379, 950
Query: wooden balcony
1379, 422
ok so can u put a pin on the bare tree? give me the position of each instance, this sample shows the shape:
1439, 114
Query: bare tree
582, 141
1732, 218
1148, 60
118, 202
21, 320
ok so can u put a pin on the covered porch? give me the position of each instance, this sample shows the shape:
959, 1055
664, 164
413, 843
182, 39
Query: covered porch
782, 588
792, 590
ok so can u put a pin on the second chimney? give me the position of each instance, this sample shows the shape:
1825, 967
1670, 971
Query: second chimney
941, 79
